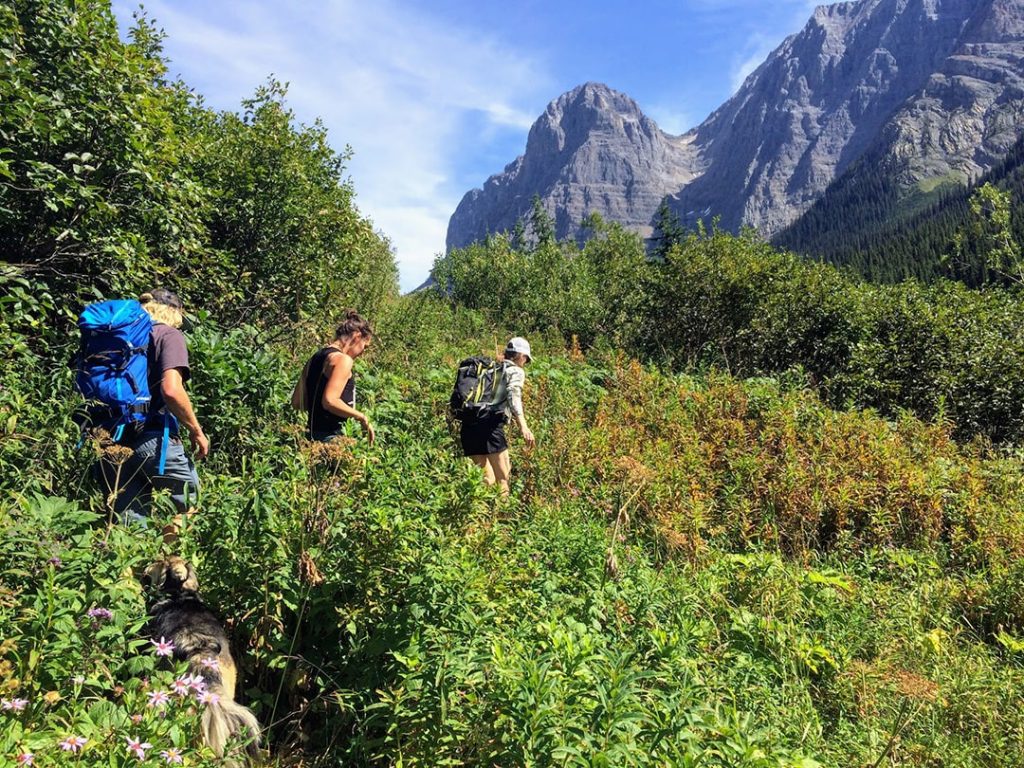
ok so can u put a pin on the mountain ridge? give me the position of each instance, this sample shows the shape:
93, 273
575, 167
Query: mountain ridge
933, 88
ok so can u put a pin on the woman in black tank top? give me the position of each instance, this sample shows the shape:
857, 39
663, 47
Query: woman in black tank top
326, 390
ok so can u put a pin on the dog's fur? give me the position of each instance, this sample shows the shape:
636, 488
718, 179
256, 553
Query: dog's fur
180, 616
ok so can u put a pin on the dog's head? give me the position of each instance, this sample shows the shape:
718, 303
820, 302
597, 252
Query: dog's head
171, 575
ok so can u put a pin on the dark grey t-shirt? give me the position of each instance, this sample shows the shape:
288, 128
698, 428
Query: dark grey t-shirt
167, 350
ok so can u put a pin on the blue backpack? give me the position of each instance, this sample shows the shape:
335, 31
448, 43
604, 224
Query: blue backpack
112, 368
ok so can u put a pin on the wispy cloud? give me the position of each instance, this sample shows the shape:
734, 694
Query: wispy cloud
401, 87
794, 13
670, 119
754, 53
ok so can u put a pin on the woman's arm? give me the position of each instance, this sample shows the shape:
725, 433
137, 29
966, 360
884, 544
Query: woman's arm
299, 393
339, 371
514, 380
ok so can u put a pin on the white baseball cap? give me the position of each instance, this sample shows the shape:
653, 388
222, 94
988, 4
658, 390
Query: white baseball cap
517, 344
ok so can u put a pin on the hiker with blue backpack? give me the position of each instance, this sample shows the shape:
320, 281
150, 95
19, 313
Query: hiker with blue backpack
487, 395
132, 369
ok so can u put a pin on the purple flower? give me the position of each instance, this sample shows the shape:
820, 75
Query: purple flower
159, 698
197, 683
100, 613
210, 663
13, 705
181, 685
55, 561
25, 758
208, 697
138, 747
164, 647
73, 743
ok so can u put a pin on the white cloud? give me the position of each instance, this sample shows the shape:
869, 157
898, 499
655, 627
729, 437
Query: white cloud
670, 119
745, 66
760, 44
399, 86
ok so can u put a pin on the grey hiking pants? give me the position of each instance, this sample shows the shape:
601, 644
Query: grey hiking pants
139, 477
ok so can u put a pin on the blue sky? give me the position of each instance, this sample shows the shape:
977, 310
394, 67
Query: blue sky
434, 97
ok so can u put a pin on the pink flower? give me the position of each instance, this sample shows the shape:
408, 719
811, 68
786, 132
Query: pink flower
164, 647
159, 698
13, 705
25, 758
136, 719
181, 685
73, 743
197, 683
208, 697
210, 663
138, 747
171, 756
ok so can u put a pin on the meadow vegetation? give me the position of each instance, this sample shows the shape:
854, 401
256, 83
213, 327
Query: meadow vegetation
715, 556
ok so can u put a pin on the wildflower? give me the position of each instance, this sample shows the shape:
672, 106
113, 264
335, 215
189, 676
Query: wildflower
73, 743
181, 685
164, 647
25, 758
208, 697
197, 683
210, 663
55, 561
136, 718
171, 756
78, 679
159, 698
99, 614
13, 705
51, 697
138, 747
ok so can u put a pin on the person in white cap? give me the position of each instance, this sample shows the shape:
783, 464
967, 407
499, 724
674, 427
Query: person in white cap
483, 440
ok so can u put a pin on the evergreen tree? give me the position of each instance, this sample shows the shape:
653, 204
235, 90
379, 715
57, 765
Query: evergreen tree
667, 231
541, 223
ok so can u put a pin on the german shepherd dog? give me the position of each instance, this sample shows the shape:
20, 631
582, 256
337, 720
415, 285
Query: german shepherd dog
179, 615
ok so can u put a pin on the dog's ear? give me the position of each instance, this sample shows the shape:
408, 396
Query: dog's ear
191, 581
154, 575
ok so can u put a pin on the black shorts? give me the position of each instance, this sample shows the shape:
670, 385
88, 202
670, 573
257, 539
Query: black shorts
484, 436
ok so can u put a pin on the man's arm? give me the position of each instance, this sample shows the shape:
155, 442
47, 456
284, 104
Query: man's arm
176, 398
339, 371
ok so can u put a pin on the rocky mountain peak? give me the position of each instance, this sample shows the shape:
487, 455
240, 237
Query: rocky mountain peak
592, 150
934, 87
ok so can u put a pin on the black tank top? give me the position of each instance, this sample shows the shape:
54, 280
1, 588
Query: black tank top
321, 421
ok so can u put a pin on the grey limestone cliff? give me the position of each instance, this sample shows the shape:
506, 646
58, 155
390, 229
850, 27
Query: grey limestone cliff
591, 150
935, 87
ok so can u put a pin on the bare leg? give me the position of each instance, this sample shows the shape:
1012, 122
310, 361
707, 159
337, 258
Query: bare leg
481, 460
500, 466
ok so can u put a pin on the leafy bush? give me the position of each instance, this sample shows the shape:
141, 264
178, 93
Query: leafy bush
732, 302
114, 179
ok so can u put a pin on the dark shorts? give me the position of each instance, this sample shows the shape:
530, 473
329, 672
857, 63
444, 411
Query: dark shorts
484, 436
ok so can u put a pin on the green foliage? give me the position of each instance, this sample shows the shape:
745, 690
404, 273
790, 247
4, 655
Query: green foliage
791, 582
114, 179
989, 235
693, 570
668, 231
717, 300
866, 221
